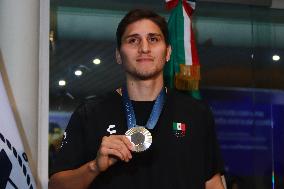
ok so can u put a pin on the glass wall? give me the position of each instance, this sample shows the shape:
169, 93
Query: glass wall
241, 53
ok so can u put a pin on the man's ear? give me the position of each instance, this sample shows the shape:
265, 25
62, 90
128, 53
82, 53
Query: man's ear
118, 57
169, 52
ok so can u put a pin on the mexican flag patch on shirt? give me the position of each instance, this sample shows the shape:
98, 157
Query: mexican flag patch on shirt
179, 129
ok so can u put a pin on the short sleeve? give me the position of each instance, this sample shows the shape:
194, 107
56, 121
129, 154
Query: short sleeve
214, 161
71, 153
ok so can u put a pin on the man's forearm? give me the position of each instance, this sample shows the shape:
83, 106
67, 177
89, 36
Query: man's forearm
79, 178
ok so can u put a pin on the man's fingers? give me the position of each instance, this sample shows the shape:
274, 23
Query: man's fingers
127, 142
119, 143
119, 146
124, 139
111, 152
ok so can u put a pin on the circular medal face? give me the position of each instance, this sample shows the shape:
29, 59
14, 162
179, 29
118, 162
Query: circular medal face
140, 137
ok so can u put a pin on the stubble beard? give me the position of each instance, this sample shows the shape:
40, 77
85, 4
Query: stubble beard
144, 75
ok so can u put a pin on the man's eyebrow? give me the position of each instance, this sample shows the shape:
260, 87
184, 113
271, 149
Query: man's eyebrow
137, 35
155, 34
132, 35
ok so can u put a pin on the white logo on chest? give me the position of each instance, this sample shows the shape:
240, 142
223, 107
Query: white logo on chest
111, 129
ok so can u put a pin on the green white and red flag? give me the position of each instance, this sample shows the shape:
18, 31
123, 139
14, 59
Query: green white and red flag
179, 126
183, 70
179, 129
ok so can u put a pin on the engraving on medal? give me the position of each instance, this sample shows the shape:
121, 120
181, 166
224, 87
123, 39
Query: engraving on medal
137, 138
140, 137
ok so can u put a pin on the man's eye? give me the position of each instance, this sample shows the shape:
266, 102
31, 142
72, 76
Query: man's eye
133, 41
153, 39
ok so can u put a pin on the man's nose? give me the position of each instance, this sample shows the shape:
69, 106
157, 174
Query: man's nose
144, 46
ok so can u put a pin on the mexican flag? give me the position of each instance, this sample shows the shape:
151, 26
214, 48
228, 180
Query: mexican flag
183, 70
179, 129
179, 126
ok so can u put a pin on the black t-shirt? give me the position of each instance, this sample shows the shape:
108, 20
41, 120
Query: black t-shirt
184, 153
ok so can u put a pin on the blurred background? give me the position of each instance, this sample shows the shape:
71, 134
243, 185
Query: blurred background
241, 49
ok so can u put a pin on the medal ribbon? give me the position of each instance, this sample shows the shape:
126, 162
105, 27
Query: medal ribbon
155, 113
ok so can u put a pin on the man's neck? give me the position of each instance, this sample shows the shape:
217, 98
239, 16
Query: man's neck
146, 90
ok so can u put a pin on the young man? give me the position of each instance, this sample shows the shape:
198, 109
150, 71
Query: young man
96, 153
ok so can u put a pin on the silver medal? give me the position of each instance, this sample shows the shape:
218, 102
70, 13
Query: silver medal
140, 137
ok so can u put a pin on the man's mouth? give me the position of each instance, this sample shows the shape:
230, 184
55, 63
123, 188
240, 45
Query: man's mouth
145, 59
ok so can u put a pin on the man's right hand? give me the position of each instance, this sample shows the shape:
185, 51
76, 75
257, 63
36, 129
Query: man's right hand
112, 149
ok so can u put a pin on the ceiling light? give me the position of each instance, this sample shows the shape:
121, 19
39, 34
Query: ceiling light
61, 82
78, 72
96, 61
275, 57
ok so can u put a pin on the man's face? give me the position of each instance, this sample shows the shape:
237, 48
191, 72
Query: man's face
143, 50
